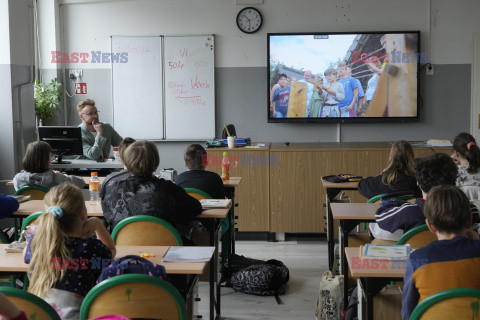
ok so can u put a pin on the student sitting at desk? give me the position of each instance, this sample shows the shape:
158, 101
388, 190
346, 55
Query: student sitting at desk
97, 137
37, 172
197, 177
466, 155
65, 235
143, 193
397, 176
452, 261
437, 169
119, 175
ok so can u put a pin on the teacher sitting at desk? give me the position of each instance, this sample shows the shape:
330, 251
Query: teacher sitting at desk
97, 137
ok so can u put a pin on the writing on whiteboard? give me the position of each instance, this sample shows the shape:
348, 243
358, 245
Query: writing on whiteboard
191, 101
175, 65
198, 84
183, 52
201, 64
140, 48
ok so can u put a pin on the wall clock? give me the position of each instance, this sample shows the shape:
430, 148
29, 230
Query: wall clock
249, 20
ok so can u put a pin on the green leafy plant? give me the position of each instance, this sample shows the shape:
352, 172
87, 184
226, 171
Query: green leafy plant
47, 99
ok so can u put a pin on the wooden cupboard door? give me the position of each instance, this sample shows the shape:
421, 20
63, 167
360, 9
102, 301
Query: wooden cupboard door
252, 193
296, 193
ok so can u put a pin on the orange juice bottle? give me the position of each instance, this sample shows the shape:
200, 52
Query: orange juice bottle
225, 167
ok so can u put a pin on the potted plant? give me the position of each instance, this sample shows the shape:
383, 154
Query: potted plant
47, 99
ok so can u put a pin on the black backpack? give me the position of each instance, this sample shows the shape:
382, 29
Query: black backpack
256, 277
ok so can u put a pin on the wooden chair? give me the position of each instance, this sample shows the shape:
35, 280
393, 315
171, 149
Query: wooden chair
197, 193
35, 192
134, 296
459, 303
417, 237
33, 306
145, 230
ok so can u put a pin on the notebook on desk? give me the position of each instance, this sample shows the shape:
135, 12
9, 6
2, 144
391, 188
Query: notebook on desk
215, 203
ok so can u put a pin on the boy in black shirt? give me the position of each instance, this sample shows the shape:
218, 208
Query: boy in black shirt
197, 177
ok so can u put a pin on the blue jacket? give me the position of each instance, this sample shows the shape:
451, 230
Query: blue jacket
7, 206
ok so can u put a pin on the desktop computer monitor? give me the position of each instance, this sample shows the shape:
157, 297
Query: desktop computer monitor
63, 140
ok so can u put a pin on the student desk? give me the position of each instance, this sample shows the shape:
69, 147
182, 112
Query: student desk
88, 164
332, 190
350, 215
373, 274
95, 210
13, 262
211, 216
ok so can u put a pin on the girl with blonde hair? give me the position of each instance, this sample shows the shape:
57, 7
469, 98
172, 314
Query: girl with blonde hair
65, 259
399, 174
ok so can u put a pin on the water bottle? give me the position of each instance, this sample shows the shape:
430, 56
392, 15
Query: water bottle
94, 187
225, 167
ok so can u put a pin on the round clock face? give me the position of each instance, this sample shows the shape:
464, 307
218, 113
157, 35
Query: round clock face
249, 20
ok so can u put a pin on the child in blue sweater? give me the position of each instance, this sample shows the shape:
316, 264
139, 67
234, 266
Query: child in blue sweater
8, 205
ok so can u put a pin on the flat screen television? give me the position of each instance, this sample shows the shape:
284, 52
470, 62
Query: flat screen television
344, 77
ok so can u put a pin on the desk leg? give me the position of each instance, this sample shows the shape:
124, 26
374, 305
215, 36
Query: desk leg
331, 194
215, 293
371, 287
343, 244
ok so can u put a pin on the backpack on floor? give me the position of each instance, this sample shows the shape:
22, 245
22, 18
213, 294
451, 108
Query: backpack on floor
264, 279
133, 264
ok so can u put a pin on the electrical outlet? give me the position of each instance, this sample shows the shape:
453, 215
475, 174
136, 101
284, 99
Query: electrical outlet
74, 74
430, 70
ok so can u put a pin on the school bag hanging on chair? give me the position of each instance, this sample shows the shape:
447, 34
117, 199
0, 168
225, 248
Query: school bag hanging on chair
133, 264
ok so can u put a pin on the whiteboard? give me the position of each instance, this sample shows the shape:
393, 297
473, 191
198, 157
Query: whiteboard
189, 87
166, 90
137, 87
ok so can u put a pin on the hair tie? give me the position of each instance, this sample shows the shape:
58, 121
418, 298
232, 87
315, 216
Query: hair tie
56, 211
470, 144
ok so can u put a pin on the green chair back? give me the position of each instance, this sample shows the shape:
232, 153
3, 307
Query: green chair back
458, 303
134, 296
418, 237
28, 221
34, 307
35, 192
376, 198
197, 193
143, 230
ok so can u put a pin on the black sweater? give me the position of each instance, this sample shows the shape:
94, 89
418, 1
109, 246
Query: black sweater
372, 186
149, 196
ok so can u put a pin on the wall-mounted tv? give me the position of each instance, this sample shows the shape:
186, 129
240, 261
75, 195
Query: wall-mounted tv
344, 77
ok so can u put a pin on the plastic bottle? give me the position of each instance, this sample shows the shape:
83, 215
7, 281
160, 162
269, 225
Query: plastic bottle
225, 167
94, 187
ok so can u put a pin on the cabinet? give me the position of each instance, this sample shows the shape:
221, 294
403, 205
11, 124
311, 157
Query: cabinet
252, 195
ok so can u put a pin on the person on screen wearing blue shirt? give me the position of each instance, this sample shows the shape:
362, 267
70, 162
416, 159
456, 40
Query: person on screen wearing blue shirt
97, 137
347, 105
280, 97
361, 93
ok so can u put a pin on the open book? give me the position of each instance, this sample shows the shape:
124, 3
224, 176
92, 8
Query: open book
215, 203
384, 251
188, 254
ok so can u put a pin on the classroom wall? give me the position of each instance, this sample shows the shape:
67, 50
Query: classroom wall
16, 79
241, 88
